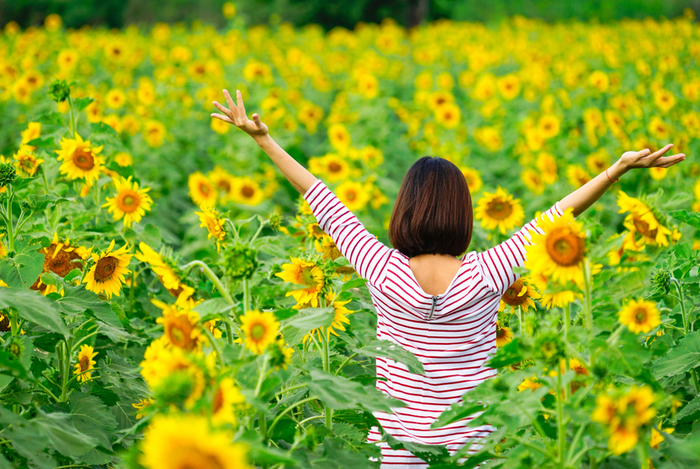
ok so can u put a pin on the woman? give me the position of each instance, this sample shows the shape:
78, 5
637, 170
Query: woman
440, 307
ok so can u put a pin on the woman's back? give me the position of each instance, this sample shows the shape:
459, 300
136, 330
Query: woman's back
453, 333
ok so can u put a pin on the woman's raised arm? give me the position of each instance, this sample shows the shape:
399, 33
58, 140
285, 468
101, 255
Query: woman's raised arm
298, 176
586, 195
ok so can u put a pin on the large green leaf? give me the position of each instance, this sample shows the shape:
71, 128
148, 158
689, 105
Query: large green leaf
33, 307
386, 348
92, 417
308, 319
456, 412
693, 219
690, 408
341, 393
681, 358
63, 435
22, 270
26, 438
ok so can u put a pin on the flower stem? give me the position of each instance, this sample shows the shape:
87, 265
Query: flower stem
588, 300
211, 276
325, 341
679, 289
246, 295
72, 122
561, 429
8, 221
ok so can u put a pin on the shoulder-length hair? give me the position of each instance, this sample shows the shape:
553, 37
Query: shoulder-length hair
433, 213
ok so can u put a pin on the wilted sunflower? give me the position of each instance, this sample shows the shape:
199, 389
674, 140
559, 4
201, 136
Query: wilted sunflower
214, 225
27, 162
640, 316
519, 293
181, 441
499, 210
559, 252
642, 220
202, 191
226, 396
259, 329
305, 273
85, 363
130, 203
60, 258
108, 271
503, 335
180, 326
80, 159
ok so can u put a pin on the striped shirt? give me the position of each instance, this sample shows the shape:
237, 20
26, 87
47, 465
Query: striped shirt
452, 334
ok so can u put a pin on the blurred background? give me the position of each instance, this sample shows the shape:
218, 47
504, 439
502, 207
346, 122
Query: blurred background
330, 13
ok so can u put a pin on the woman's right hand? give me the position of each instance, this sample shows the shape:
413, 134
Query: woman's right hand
646, 159
235, 114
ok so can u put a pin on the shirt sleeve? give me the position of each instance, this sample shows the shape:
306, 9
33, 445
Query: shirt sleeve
366, 254
498, 262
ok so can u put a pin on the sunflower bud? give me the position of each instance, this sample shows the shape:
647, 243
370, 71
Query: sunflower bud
175, 388
15, 347
7, 174
551, 348
59, 90
661, 280
240, 261
275, 220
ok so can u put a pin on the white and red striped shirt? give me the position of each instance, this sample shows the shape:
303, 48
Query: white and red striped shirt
453, 334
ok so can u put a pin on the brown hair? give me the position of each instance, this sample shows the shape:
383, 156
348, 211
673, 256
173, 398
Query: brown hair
433, 212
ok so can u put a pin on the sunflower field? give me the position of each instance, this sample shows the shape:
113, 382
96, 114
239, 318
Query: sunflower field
168, 300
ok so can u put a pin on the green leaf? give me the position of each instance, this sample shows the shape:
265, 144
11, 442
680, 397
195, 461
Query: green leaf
689, 409
93, 418
213, 306
308, 319
9, 365
102, 128
341, 393
456, 412
33, 307
355, 283
41, 202
693, 219
388, 349
681, 358
507, 355
26, 438
51, 118
22, 270
81, 103
63, 435
42, 142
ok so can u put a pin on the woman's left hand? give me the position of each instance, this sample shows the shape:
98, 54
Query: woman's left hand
236, 115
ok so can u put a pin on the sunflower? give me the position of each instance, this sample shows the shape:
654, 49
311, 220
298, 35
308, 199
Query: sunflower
605, 409
305, 273
80, 159
163, 270
656, 436
223, 181
339, 137
180, 326
499, 210
340, 313
353, 194
183, 441
247, 191
214, 225
123, 159
32, 132
211, 327
519, 293
533, 181
326, 246
641, 219
559, 252
640, 316
142, 407
202, 192
578, 367
473, 179
259, 329
576, 175
108, 271
130, 203
529, 383
448, 115
85, 363
503, 335
624, 435
331, 166
60, 258
226, 396
27, 162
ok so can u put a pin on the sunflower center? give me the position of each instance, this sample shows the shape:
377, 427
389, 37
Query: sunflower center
643, 227
307, 277
83, 160
499, 209
198, 460
128, 201
177, 336
218, 401
640, 316
351, 195
204, 188
84, 363
510, 297
224, 185
334, 167
104, 270
247, 192
257, 332
564, 247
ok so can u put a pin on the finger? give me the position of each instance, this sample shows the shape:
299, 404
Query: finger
223, 118
667, 161
222, 108
649, 160
256, 119
239, 99
229, 101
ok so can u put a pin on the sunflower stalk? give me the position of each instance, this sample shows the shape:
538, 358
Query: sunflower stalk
71, 117
561, 429
211, 276
325, 341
